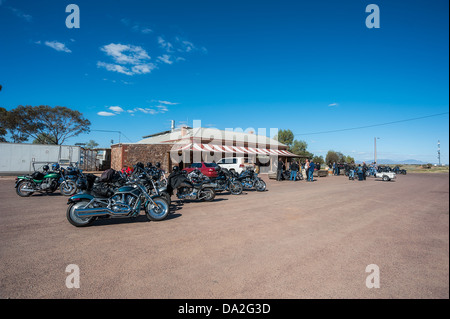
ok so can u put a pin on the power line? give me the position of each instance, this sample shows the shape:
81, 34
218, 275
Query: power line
373, 125
120, 133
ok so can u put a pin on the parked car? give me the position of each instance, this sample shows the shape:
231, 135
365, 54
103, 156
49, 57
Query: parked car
207, 169
386, 176
237, 164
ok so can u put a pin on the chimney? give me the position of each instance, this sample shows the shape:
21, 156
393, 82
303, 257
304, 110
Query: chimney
183, 131
172, 126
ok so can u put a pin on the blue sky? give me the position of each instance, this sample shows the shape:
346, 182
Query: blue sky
311, 67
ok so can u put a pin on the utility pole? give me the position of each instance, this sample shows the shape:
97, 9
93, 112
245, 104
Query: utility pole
375, 148
439, 152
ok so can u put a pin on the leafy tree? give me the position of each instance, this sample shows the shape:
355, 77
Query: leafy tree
299, 148
332, 157
318, 159
44, 138
56, 124
3, 128
9, 122
349, 159
91, 144
286, 137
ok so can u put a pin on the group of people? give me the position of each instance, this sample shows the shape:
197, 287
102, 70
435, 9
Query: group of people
351, 169
296, 167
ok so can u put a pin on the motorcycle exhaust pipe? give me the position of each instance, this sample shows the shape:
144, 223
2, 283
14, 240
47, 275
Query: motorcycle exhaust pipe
100, 211
29, 190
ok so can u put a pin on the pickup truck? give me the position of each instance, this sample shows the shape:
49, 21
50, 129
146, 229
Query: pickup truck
386, 176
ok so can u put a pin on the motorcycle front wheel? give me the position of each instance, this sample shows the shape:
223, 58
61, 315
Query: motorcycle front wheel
236, 188
260, 185
68, 188
158, 210
73, 217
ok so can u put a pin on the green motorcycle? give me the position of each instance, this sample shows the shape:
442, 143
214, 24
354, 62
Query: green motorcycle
45, 182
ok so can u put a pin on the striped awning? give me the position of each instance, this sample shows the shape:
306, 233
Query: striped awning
232, 149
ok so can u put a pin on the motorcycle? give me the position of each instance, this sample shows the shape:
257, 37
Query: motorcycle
225, 182
190, 189
250, 179
126, 201
45, 182
153, 184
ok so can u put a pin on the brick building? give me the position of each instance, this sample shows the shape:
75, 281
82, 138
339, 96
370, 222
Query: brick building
187, 145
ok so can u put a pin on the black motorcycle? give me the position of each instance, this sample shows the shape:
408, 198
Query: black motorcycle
190, 189
105, 200
249, 179
225, 181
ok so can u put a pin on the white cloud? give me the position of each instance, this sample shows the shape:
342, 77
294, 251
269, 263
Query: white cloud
143, 68
165, 44
146, 30
125, 54
333, 104
136, 26
167, 102
106, 114
114, 67
165, 59
58, 46
135, 57
20, 14
116, 109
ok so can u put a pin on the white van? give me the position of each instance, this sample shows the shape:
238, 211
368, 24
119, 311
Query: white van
237, 164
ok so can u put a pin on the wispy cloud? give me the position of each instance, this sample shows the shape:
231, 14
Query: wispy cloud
135, 26
106, 114
333, 104
124, 54
58, 46
166, 45
129, 59
116, 109
152, 110
167, 102
21, 14
114, 68
165, 58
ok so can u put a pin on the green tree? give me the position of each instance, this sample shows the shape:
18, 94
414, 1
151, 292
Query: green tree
286, 137
44, 138
318, 159
56, 124
332, 157
349, 159
91, 144
9, 123
3, 128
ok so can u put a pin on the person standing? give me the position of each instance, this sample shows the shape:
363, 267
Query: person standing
294, 169
359, 171
279, 169
311, 171
364, 168
307, 169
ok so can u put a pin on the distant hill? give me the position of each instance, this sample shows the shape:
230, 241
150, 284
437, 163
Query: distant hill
383, 161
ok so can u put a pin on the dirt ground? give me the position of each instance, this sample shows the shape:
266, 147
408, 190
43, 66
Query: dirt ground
296, 240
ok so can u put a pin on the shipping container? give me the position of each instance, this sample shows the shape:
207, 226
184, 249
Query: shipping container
25, 158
